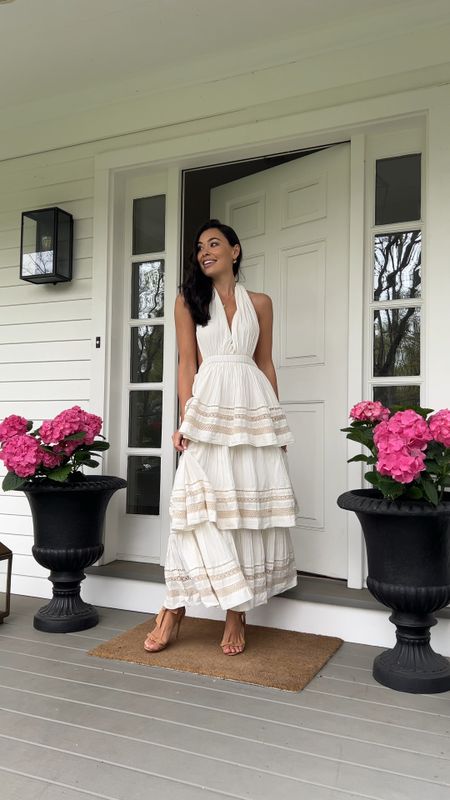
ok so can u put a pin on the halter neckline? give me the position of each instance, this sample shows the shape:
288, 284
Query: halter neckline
236, 296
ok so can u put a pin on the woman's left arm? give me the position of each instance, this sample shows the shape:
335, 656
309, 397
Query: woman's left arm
263, 352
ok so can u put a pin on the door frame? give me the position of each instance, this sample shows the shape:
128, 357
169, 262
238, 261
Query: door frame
308, 130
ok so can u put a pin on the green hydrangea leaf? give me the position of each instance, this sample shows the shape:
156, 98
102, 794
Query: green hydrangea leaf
430, 492
11, 482
60, 474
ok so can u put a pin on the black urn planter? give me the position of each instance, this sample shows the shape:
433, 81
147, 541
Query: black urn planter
68, 532
408, 551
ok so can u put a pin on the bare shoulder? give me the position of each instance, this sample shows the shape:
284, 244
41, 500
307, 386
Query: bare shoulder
185, 328
183, 316
180, 303
262, 302
181, 307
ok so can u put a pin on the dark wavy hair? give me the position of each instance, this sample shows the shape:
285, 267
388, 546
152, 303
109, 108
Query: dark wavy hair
197, 288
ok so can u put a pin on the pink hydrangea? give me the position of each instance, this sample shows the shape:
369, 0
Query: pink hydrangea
93, 426
46, 431
22, 454
401, 441
440, 426
73, 420
403, 429
368, 411
404, 465
67, 448
12, 426
50, 460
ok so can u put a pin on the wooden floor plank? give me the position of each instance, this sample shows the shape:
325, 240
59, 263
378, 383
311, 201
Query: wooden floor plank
275, 757
215, 697
351, 700
243, 728
16, 786
373, 692
216, 774
107, 779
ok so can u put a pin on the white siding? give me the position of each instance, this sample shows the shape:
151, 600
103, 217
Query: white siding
45, 331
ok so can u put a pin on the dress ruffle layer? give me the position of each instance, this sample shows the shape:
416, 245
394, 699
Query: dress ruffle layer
239, 487
231, 569
233, 403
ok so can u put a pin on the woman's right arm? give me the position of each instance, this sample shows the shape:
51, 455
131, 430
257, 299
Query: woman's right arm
187, 361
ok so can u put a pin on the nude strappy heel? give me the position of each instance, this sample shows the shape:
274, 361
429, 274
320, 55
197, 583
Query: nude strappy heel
156, 639
239, 641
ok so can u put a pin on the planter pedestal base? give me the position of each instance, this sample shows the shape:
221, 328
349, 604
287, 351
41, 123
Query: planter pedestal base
412, 665
66, 612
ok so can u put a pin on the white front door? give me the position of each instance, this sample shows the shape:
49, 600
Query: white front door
293, 221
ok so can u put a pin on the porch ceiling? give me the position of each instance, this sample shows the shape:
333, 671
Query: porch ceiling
52, 48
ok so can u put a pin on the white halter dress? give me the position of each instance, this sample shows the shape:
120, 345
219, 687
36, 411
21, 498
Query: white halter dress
232, 502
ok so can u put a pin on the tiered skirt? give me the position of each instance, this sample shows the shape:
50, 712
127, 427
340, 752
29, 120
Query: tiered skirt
232, 503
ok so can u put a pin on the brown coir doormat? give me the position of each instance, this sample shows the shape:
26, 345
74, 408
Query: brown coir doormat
272, 657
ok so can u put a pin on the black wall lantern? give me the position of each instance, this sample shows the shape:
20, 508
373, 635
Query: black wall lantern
5, 581
46, 246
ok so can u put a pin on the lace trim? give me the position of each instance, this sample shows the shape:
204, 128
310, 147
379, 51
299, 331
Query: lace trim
214, 427
271, 577
263, 508
237, 421
231, 413
235, 512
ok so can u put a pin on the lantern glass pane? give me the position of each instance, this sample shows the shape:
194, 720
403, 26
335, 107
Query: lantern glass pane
38, 244
64, 245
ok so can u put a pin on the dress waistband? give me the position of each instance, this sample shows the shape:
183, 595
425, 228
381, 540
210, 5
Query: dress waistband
232, 357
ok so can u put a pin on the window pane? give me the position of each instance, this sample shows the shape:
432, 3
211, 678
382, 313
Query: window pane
397, 395
396, 341
149, 224
147, 354
144, 478
147, 289
397, 259
397, 193
145, 419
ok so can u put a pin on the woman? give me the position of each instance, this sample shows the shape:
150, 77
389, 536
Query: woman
232, 502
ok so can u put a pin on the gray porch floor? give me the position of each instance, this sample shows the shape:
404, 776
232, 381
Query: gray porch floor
74, 727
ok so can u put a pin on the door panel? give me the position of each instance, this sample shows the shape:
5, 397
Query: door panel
293, 221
